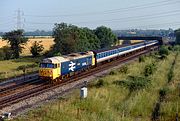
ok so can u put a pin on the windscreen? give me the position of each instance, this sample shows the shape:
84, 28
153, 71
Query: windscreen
47, 65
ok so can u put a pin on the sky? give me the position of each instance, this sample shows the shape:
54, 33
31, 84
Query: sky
116, 14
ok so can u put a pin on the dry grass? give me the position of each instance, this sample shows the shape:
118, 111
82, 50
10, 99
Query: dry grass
2, 43
46, 42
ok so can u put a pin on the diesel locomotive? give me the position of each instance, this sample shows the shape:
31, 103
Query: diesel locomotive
56, 68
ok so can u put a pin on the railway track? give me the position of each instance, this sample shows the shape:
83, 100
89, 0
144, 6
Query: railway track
9, 98
17, 88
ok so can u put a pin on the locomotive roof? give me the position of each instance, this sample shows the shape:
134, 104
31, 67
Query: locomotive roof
115, 47
58, 59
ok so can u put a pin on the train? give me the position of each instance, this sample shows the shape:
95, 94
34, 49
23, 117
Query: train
55, 69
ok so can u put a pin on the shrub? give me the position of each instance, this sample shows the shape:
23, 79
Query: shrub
149, 69
163, 52
36, 48
101, 83
5, 53
141, 59
113, 72
163, 92
123, 69
134, 83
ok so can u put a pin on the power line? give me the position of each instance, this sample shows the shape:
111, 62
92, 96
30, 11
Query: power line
149, 5
123, 19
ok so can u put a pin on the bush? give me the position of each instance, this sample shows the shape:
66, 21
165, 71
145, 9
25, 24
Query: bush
134, 83
113, 72
36, 48
101, 83
177, 48
163, 52
163, 92
123, 69
149, 69
141, 59
6, 53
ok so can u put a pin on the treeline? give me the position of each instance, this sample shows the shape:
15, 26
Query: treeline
139, 32
130, 32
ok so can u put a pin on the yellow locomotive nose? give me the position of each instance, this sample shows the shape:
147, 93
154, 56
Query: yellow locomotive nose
45, 72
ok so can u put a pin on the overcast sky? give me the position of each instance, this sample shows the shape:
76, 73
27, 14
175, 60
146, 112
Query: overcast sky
116, 14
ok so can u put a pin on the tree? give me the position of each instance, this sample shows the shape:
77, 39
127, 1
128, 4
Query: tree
177, 32
65, 38
106, 36
15, 39
5, 53
94, 42
36, 48
70, 38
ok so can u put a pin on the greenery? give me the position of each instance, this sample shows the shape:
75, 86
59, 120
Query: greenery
149, 69
134, 83
36, 48
5, 53
177, 32
106, 37
70, 38
163, 52
22, 67
142, 59
15, 39
124, 69
110, 102
14, 67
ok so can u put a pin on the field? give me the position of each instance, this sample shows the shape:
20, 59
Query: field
13, 68
10, 68
46, 42
108, 100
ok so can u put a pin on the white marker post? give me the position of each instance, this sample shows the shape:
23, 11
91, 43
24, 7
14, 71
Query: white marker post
83, 92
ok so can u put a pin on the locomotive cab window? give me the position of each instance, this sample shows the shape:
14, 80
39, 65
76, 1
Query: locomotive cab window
48, 65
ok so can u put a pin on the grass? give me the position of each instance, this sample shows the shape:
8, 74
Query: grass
9, 68
170, 107
111, 102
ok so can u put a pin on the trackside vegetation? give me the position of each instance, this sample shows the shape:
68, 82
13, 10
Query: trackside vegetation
14, 67
126, 94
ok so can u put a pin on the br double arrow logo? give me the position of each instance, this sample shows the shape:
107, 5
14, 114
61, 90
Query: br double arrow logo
72, 66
